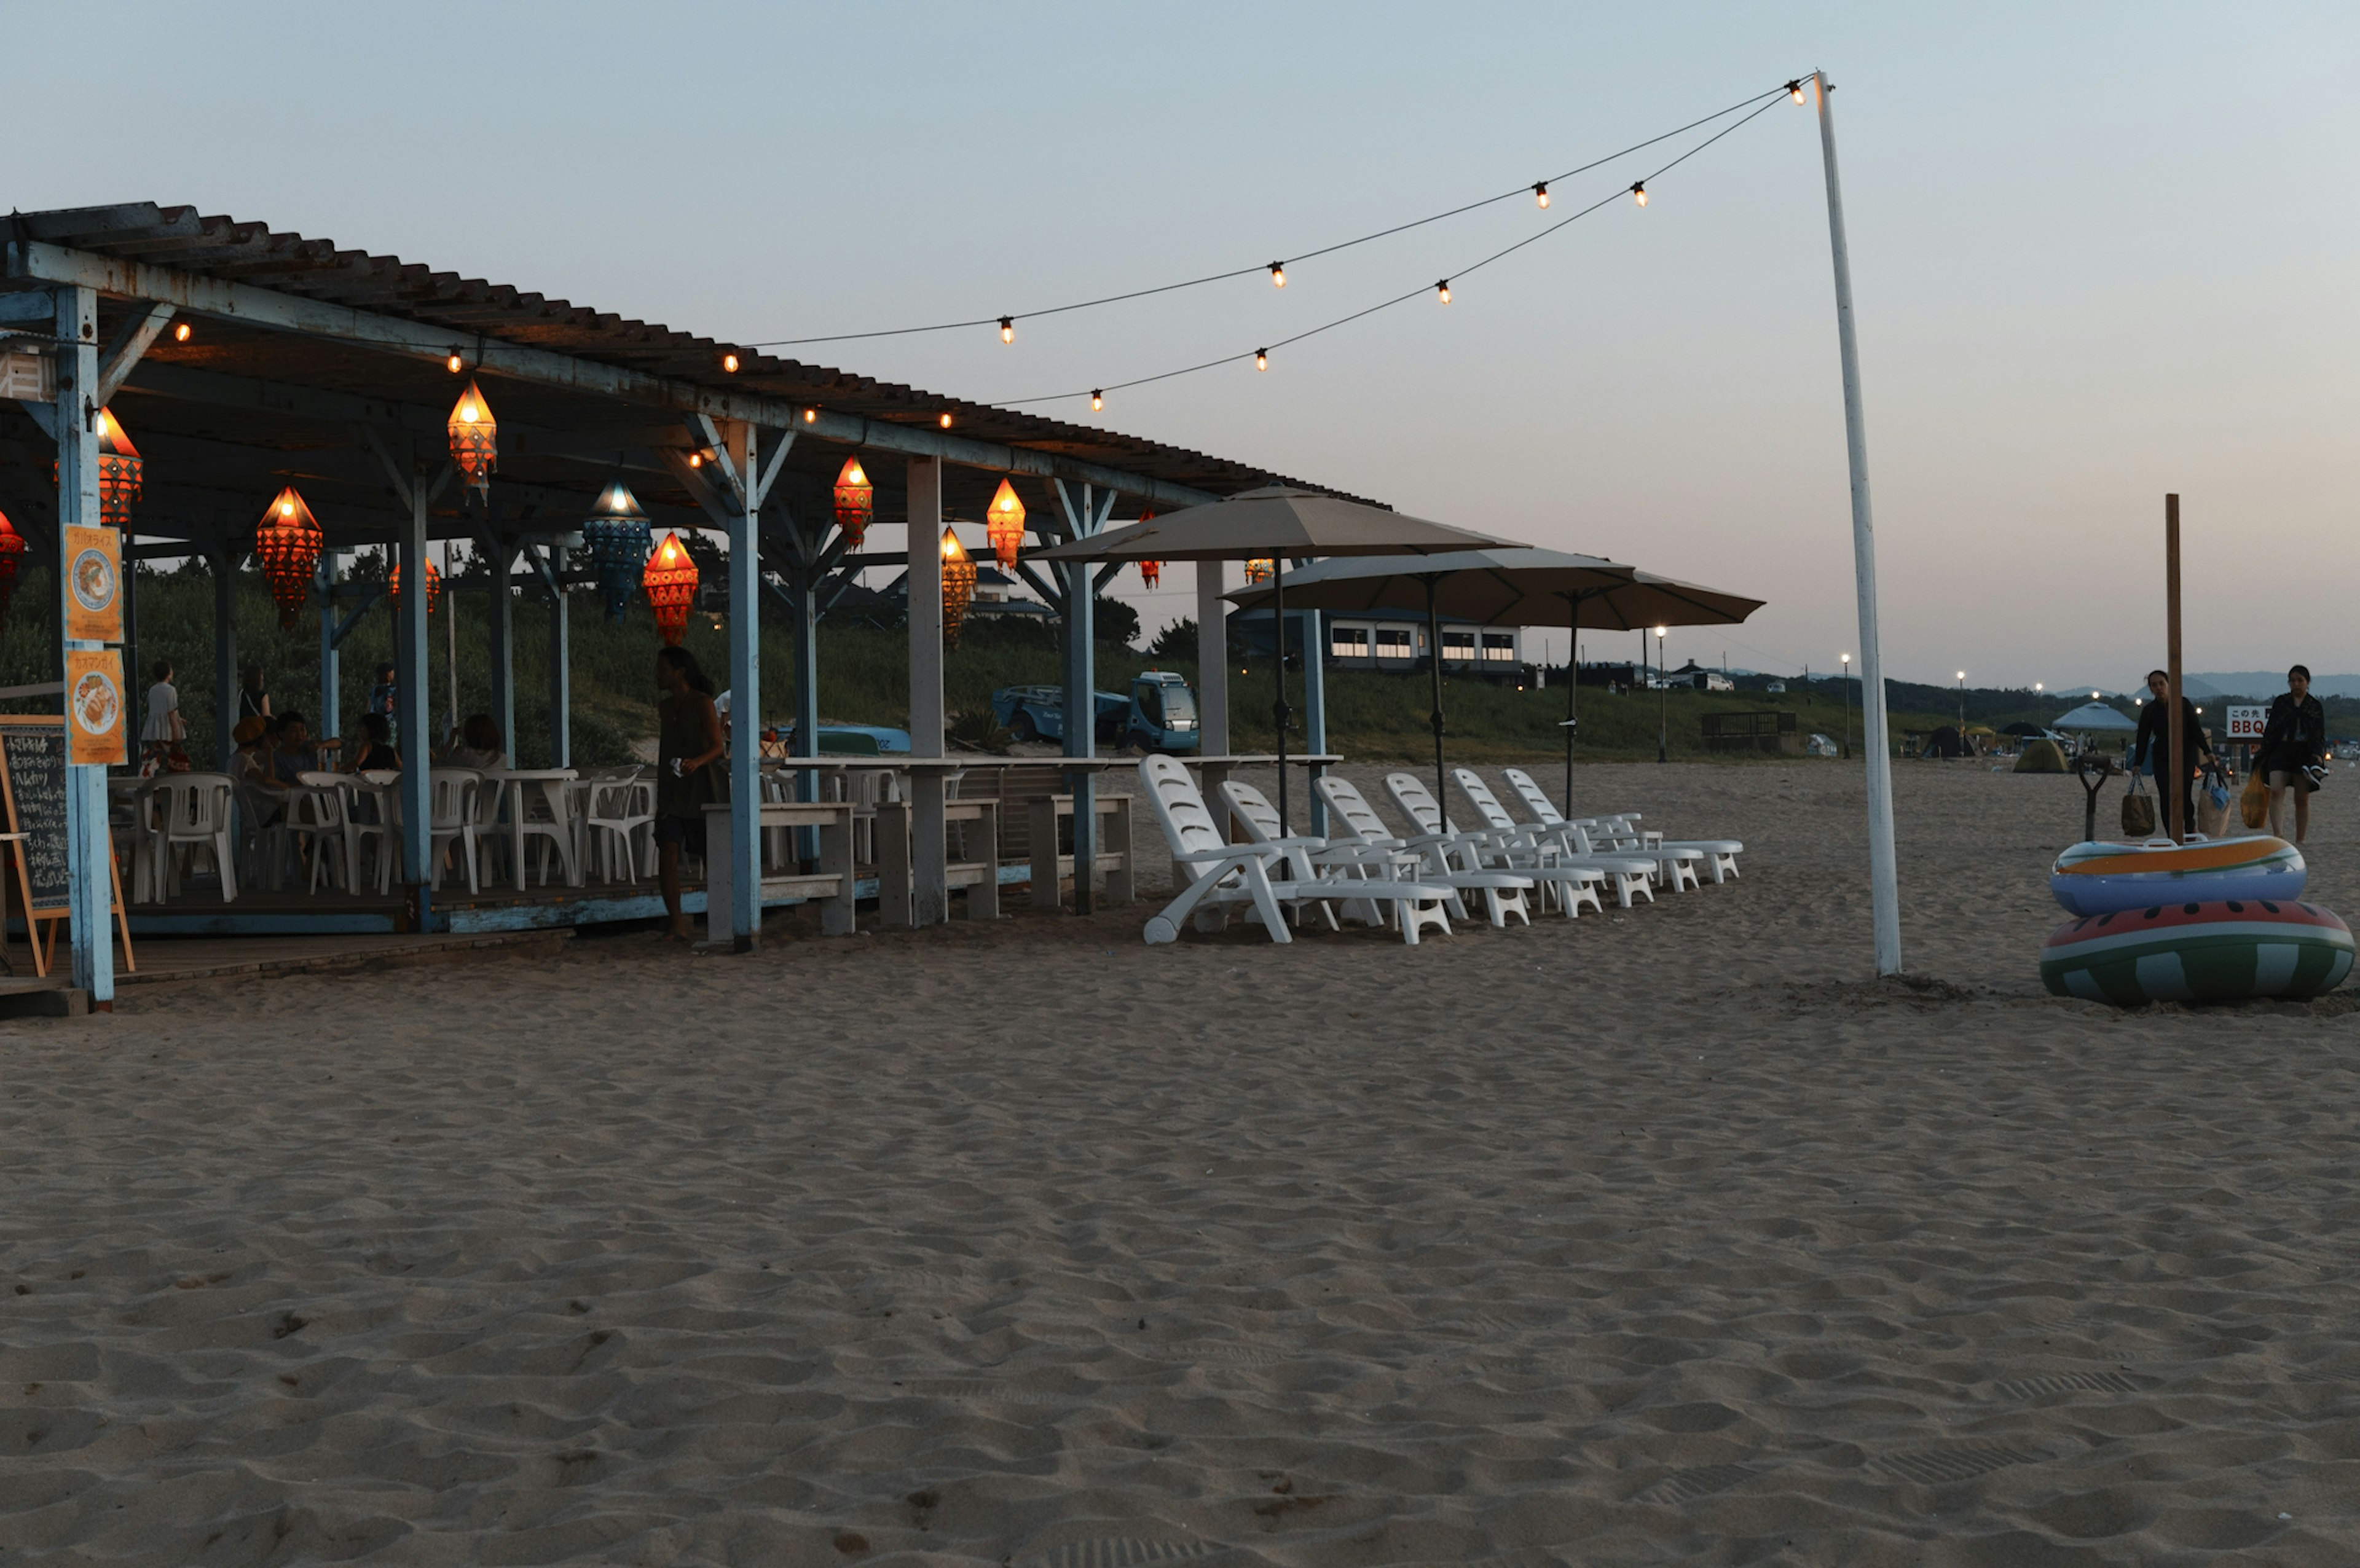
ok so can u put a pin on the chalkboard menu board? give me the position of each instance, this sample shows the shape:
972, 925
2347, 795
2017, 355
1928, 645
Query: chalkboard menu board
33, 778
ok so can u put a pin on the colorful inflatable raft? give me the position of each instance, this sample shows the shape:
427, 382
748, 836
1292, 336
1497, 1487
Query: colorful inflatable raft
2098, 877
2216, 951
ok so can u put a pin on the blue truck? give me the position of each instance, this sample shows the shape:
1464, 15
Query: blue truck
1160, 713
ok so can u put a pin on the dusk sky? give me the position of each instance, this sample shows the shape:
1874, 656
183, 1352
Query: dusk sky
2100, 252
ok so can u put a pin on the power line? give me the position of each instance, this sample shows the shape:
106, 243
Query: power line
1538, 190
1260, 355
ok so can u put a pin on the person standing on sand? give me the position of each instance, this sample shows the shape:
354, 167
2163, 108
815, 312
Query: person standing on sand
2154, 743
2294, 741
688, 742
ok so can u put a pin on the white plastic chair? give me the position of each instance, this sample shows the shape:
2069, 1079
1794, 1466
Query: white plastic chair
1720, 855
1569, 846
1356, 821
1367, 878
1567, 885
377, 828
538, 815
617, 811
317, 811
1219, 874
451, 818
196, 815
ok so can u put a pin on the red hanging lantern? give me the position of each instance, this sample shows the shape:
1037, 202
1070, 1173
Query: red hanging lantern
856, 502
286, 544
119, 468
12, 552
1006, 524
433, 586
1151, 571
1261, 571
958, 584
474, 437
670, 584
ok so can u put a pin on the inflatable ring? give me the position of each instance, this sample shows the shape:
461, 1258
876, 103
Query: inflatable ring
2099, 877
2220, 951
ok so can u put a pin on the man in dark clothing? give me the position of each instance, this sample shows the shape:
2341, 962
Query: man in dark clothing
2154, 745
2294, 741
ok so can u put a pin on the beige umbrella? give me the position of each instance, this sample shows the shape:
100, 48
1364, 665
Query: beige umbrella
1275, 523
1514, 588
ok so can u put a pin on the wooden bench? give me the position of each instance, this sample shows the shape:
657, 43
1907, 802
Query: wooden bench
833, 884
1034, 805
894, 869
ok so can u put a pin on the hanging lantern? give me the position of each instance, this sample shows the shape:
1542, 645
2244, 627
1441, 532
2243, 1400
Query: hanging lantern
119, 469
1006, 524
1151, 571
616, 533
475, 439
958, 584
433, 586
286, 544
670, 583
856, 502
1261, 571
12, 554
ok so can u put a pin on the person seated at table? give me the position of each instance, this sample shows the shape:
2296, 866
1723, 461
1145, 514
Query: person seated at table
376, 753
478, 746
290, 750
248, 763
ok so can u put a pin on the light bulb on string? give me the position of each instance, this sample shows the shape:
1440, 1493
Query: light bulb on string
729, 363
1540, 194
1277, 275
810, 416
180, 333
1442, 291
1262, 359
1006, 329
946, 421
1795, 90
1639, 192
1097, 400
453, 365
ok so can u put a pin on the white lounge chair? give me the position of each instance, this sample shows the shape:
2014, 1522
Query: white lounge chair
1221, 875
1356, 821
1720, 855
1675, 867
1309, 859
1568, 883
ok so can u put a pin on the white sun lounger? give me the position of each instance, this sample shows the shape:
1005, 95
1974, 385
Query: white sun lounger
1353, 866
1569, 882
1221, 874
1675, 868
1720, 855
1356, 821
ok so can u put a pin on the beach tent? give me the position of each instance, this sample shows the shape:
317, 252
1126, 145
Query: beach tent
2041, 756
1945, 743
2097, 717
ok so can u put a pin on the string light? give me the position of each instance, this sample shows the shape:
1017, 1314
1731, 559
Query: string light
1442, 291
1639, 192
454, 364
1276, 270
1795, 90
180, 333
946, 421
1006, 329
729, 363
810, 416
1097, 398
1262, 359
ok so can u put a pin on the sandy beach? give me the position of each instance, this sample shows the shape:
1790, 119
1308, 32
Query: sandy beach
1667, 1236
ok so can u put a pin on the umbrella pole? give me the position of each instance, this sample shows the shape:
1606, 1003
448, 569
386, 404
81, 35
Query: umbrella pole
1278, 709
1433, 651
1572, 678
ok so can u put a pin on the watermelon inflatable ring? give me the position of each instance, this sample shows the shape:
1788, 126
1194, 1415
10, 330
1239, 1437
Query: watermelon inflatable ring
2210, 951
2099, 877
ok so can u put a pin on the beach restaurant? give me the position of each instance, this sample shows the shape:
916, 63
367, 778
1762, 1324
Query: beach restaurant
192, 386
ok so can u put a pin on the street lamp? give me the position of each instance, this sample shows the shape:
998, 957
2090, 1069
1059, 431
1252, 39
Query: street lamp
1847, 691
1962, 706
1662, 702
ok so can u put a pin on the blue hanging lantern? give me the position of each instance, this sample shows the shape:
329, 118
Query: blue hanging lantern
617, 532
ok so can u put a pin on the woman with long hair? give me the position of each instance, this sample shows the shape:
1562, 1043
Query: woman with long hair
688, 743
2294, 752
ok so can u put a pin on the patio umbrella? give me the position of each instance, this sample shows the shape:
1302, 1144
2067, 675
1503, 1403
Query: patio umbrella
1276, 523
1515, 588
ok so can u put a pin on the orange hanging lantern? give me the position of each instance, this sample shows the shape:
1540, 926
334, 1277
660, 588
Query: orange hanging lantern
1261, 571
958, 585
475, 439
119, 467
856, 502
12, 554
286, 544
1151, 571
670, 584
433, 586
1006, 524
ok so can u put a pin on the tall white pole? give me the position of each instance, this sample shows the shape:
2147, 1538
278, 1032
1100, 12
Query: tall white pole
1885, 891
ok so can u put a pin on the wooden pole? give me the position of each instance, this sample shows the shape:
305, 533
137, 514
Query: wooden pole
2176, 759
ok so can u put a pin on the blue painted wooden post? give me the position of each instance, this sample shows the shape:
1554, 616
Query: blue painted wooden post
1082, 521
224, 561
560, 665
411, 702
499, 623
89, 849
1314, 707
331, 707
745, 849
804, 586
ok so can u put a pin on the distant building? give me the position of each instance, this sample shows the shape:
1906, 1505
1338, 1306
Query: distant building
1385, 642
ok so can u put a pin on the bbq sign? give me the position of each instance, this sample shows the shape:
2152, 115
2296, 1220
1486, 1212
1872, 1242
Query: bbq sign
2246, 722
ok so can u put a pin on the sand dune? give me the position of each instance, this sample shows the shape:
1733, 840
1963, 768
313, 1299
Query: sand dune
1661, 1238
